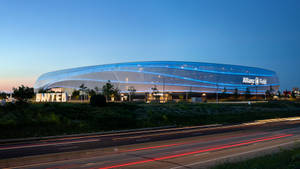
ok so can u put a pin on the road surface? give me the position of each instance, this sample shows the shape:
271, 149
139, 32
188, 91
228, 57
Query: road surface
188, 147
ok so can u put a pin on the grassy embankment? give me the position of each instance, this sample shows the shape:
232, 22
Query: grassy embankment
287, 159
30, 120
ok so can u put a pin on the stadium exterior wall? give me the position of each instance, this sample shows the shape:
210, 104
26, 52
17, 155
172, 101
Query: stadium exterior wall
170, 76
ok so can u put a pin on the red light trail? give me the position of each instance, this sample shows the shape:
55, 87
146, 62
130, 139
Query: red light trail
199, 151
182, 143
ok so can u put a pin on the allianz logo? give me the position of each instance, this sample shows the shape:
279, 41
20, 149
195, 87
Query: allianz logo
255, 81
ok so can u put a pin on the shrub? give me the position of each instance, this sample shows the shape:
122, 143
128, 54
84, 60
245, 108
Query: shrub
98, 100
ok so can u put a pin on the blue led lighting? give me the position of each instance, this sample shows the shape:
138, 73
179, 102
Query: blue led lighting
196, 67
159, 84
212, 70
180, 77
173, 91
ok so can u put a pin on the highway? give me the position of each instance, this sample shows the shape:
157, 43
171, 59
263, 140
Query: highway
186, 147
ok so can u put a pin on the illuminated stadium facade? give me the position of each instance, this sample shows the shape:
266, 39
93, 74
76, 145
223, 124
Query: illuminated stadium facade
167, 76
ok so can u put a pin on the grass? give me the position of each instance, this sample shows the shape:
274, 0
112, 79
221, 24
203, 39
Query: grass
287, 159
34, 120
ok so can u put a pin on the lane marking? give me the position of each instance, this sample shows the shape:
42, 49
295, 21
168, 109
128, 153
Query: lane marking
196, 152
233, 155
88, 164
201, 154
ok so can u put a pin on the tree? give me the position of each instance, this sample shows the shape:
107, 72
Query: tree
248, 93
224, 92
97, 90
23, 93
108, 90
75, 93
272, 91
279, 94
116, 94
268, 94
155, 92
42, 90
293, 94
286, 93
83, 90
3, 95
92, 92
131, 91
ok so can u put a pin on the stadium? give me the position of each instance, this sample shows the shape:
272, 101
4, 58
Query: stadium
166, 76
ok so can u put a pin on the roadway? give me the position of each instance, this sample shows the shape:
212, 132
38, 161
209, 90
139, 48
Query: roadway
187, 147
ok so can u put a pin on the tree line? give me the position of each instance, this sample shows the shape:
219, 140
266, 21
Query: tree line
109, 91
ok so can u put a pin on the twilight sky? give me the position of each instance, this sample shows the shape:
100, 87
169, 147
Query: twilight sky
38, 36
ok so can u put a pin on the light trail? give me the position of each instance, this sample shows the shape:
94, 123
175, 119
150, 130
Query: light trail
48, 144
198, 151
235, 155
121, 133
187, 142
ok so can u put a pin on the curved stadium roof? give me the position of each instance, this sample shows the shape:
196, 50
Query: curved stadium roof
171, 76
